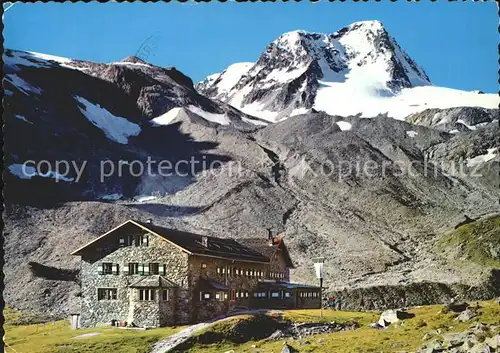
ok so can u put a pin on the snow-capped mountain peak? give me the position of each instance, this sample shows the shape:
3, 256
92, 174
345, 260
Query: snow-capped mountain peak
299, 66
359, 69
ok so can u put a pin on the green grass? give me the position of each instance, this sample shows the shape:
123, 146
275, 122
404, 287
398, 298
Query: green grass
478, 242
406, 337
57, 337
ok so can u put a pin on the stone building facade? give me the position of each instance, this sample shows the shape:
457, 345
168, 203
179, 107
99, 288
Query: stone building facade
144, 275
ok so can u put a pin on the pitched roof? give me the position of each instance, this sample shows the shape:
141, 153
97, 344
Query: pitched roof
263, 246
287, 285
192, 243
208, 284
216, 247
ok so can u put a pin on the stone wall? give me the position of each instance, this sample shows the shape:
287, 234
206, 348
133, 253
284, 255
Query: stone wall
206, 267
278, 264
96, 312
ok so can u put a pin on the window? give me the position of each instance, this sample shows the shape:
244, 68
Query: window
108, 268
203, 265
246, 294
221, 296
164, 295
141, 240
133, 268
121, 241
107, 293
219, 270
154, 268
205, 296
287, 295
275, 294
145, 269
146, 294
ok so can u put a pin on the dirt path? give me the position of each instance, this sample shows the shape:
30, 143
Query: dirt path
176, 339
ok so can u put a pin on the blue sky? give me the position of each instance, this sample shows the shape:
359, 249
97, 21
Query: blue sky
455, 43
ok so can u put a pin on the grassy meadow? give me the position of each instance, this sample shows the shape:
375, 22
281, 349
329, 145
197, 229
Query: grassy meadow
58, 337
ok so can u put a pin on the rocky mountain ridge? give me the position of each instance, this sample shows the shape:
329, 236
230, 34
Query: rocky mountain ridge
373, 196
359, 69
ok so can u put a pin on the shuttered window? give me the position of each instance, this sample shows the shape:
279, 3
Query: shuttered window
107, 293
154, 268
132, 268
162, 269
114, 269
107, 268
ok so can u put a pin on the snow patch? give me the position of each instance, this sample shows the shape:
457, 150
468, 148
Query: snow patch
230, 77
254, 122
20, 117
116, 128
470, 127
221, 119
411, 133
112, 197
299, 111
144, 198
27, 172
22, 85
38, 60
344, 125
167, 117
369, 103
126, 63
483, 158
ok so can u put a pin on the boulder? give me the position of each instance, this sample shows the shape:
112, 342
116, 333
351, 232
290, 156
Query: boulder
454, 339
457, 307
391, 316
466, 315
480, 348
493, 342
288, 349
278, 334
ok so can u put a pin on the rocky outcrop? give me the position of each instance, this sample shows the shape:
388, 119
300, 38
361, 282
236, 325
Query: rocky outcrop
479, 338
455, 120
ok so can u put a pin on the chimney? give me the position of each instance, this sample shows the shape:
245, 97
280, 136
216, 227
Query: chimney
269, 234
149, 221
204, 241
